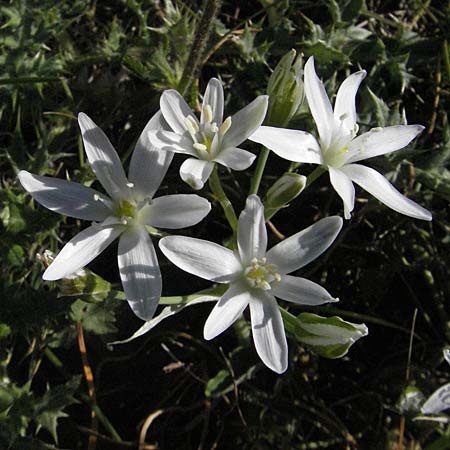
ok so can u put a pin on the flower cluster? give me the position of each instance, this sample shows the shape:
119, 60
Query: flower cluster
253, 275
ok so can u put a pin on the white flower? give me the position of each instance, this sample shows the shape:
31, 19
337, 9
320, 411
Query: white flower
212, 140
256, 276
126, 213
339, 147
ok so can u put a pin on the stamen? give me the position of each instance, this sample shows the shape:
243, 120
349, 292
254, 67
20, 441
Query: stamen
277, 276
207, 113
191, 124
214, 128
199, 147
124, 221
377, 129
96, 197
343, 150
130, 185
225, 126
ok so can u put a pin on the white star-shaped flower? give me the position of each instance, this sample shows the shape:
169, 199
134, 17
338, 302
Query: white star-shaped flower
212, 139
256, 276
127, 211
339, 147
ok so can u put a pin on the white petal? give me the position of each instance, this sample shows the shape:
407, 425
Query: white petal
319, 103
195, 172
202, 258
377, 185
104, 160
175, 110
175, 211
438, 401
301, 291
268, 332
344, 187
305, 246
214, 98
344, 107
252, 233
246, 121
380, 141
235, 158
148, 165
226, 311
172, 142
293, 145
81, 250
66, 197
139, 271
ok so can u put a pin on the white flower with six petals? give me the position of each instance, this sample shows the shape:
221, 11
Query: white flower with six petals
256, 276
212, 139
126, 213
339, 148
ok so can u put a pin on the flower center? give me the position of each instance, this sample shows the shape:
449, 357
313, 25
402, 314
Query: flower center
125, 209
206, 135
260, 274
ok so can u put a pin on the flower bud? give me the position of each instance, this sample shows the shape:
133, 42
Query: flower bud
285, 89
330, 337
284, 190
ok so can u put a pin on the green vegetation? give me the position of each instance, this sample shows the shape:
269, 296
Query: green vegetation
62, 386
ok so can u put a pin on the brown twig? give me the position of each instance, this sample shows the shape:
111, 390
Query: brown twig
275, 231
89, 377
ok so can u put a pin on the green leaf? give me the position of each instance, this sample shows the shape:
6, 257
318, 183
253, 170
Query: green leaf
50, 407
99, 318
330, 337
216, 385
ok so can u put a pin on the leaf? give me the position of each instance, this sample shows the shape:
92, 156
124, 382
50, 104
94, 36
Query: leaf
330, 337
171, 310
215, 386
99, 318
50, 407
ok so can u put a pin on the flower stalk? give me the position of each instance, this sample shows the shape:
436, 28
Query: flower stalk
217, 189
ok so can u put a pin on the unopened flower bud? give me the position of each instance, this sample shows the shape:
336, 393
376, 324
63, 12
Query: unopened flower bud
283, 191
285, 89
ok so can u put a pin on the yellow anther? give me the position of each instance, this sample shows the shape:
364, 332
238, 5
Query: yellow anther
225, 126
199, 147
207, 113
191, 124
343, 150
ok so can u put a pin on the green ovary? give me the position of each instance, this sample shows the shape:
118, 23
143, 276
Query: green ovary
125, 209
260, 274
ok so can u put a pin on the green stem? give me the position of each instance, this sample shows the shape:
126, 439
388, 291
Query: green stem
217, 190
193, 63
109, 427
260, 166
319, 170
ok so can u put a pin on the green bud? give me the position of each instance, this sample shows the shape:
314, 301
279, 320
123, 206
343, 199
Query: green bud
330, 337
410, 401
284, 190
285, 89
